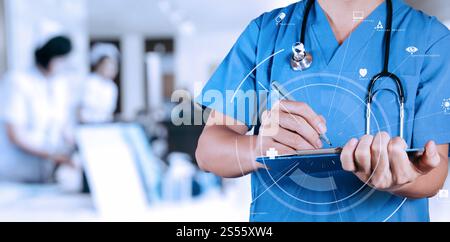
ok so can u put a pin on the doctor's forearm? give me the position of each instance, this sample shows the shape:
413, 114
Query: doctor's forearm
226, 153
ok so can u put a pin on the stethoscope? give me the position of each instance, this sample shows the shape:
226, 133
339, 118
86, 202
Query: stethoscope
302, 60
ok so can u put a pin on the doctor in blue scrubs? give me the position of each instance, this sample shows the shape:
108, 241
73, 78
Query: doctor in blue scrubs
378, 181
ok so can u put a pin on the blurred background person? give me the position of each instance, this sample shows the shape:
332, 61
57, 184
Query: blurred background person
100, 93
35, 118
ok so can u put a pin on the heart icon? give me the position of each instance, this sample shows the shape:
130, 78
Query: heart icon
363, 72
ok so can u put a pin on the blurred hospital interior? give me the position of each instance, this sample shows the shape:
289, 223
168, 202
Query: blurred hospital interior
116, 153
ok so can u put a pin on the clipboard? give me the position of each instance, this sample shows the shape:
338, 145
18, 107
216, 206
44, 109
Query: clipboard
311, 161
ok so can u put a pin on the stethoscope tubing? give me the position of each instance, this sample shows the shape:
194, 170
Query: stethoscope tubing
383, 74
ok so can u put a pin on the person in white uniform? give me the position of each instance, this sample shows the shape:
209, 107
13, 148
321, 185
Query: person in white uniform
35, 117
100, 94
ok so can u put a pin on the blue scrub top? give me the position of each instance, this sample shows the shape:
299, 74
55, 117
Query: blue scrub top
336, 87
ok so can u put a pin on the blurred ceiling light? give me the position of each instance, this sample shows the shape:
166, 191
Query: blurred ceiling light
176, 17
187, 28
164, 6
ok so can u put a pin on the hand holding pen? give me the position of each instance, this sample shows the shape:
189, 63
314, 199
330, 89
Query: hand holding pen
285, 95
288, 127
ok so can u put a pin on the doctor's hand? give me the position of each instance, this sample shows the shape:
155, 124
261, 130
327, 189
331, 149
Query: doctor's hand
383, 163
288, 127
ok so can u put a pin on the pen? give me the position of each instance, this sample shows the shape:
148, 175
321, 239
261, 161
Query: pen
277, 87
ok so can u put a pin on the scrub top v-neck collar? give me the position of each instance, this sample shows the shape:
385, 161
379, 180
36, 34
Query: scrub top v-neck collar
335, 55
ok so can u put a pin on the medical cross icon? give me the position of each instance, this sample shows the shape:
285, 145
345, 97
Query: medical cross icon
272, 153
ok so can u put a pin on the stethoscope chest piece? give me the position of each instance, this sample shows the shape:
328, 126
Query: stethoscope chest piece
300, 60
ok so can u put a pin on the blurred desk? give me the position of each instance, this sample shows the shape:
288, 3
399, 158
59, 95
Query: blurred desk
43, 203
49, 203
211, 208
